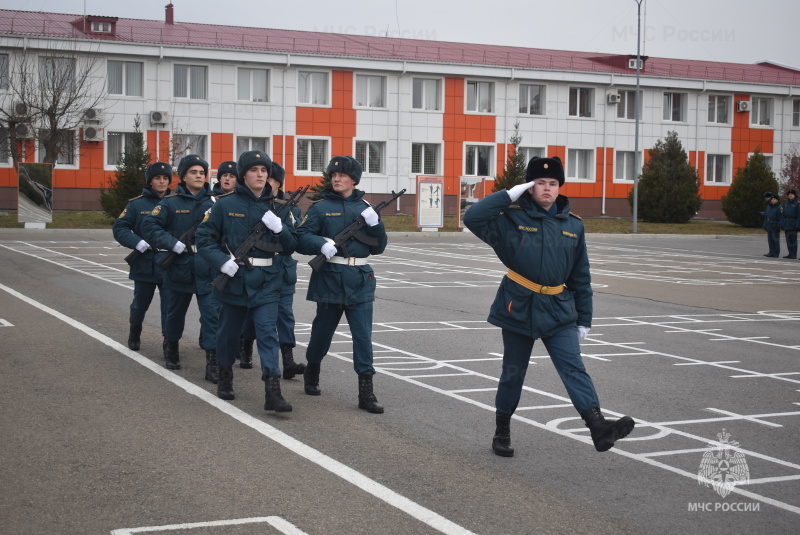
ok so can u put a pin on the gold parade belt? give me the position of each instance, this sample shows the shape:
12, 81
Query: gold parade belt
532, 286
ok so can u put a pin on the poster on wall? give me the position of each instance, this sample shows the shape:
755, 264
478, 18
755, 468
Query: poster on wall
473, 189
430, 201
35, 194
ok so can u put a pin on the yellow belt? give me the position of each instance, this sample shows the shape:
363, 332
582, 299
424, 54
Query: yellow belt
532, 286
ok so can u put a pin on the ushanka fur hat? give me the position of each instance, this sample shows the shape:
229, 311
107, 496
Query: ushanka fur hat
157, 169
189, 161
545, 168
347, 165
252, 158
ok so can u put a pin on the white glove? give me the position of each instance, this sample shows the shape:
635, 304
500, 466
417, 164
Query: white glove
370, 216
142, 246
517, 191
229, 268
272, 222
328, 249
179, 247
583, 332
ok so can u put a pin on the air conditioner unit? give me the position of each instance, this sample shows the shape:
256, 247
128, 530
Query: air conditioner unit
743, 105
93, 133
159, 117
93, 115
614, 98
20, 110
24, 131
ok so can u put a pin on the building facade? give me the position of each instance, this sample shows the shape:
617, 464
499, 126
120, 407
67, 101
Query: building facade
402, 107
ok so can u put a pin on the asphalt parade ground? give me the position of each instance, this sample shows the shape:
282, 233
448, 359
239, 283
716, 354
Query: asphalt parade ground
695, 338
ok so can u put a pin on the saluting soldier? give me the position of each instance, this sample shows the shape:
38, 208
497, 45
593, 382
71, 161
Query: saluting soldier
189, 273
255, 288
546, 295
345, 284
144, 272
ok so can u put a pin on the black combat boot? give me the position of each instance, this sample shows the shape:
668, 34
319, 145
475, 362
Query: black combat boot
164, 348
605, 433
212, 370
134, 340
273, 400
246, 353
366, 398
501, 443
311, 379
225, 384
290, 367
172, 355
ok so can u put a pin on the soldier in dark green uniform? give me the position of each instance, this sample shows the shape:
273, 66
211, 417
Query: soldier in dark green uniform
791, 222
345, 284
546, 294
255, 290
189, 274
144, 273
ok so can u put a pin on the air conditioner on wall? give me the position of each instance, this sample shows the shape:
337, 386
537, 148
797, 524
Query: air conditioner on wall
614, 98
93, 115
159, 117
92, 133
19, 110
743, 105
24, 131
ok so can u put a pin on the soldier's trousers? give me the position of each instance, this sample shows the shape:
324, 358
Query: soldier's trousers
231, 318
143, 293
285, 323
359, 318
565, 353
774, 241
176, 316
791, 241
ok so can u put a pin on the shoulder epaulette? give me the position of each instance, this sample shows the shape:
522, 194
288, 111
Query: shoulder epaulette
576, 216
170, 195
318, 200
224, 194
134, 198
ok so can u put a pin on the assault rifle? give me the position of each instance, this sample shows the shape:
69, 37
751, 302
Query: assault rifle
353, 230
132, 257
186, 238
240, 255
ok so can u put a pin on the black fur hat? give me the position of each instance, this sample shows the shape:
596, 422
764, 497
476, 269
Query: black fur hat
253, 157
545, 168
190, 160
792, 192
768, 195
228, 167
347, 165
278, 173
157, 169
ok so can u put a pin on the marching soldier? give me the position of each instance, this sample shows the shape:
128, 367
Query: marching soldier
227, 176
227, 225
175, 219
344, 285
144, 272
546, 294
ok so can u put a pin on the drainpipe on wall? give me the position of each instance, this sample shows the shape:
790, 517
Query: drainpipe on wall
697, 128
505, 122
399, 100
605, 163
158, 106
283, 115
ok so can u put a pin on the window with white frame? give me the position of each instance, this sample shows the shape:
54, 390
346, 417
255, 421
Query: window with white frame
478, 160
625, 169
674, 107
253, 85
579, 164
190, 82
57, 73
371, 156
190, 144
116, 145
312, 155
244, 144
717, 168
125, 78
796, 112
761, 111
312, 88
426, 94
424, 158
530, 152
531, 99
718, 109
3, 71
626, 108
66, 141
101, 27
370, 91
581, 102
480, 96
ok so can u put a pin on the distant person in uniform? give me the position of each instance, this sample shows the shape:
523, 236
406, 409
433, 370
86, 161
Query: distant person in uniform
545, 295
144, 272
791, 222
344, 285
227, 175
772, 224
189, 275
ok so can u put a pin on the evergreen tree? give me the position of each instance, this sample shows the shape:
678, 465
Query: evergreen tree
745, 198
324, 183
514, 170
130, 175
790, 173
669, 191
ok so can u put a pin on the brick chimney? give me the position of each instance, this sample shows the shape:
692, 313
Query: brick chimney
170, 15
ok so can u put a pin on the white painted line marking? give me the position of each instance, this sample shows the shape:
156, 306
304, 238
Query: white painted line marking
275, 521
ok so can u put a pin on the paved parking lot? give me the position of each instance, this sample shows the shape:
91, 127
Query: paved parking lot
695, 338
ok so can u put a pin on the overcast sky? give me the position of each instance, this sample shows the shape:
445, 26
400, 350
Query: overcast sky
738, 31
